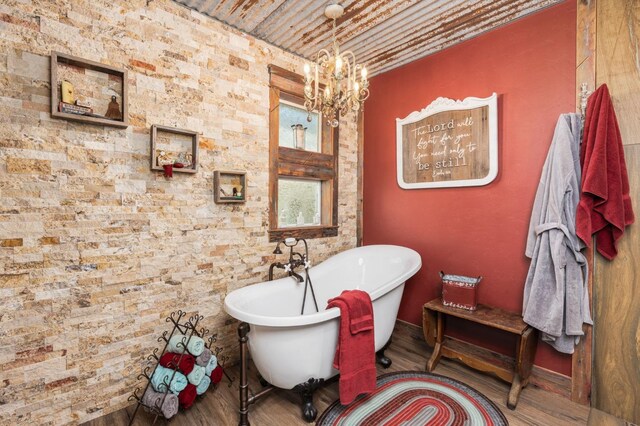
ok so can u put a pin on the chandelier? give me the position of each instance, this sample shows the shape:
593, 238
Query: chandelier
345, 83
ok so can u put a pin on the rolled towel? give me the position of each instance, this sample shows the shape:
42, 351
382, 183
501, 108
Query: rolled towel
187, 396
211, 365
216, 375
195, 345
182, 362
204, 357
195, 377
203, 386
167, 403
170, 405
176, 385
152, 398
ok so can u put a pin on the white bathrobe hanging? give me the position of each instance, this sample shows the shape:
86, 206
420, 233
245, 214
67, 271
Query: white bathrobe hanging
556, 300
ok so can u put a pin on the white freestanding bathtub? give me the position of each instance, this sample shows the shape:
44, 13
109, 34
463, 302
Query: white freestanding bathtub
288, 348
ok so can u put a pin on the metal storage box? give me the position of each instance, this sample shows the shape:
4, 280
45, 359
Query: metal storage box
459, 291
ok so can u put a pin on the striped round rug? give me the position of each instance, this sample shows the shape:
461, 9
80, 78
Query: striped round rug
416, 398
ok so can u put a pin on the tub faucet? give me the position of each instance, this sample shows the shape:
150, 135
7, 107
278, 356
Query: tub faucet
295, 259
284, 266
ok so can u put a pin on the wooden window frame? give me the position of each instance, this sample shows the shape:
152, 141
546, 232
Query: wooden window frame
299, 164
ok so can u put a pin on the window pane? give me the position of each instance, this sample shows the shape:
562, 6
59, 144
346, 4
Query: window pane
298, 202
292, 115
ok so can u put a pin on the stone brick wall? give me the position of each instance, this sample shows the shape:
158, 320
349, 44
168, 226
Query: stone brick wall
95, 249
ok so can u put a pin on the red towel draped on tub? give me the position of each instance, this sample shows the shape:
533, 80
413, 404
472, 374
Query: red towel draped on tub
605, 205
355, 354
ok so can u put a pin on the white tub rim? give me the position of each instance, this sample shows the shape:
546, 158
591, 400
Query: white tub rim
230, 301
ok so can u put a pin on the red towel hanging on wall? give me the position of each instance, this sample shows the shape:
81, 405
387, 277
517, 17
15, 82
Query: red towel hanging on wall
605, 205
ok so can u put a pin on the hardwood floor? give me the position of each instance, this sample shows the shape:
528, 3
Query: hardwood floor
600, 418
408, 352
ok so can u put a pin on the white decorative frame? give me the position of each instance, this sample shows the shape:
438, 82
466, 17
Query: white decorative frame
446, 104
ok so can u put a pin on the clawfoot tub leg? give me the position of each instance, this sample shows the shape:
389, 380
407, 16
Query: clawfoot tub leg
243, 330
381, 358
306, 390
262, 381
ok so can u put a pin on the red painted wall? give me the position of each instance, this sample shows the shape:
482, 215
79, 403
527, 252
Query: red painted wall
474, 231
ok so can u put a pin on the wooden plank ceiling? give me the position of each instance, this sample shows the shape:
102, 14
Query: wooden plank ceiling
383, 34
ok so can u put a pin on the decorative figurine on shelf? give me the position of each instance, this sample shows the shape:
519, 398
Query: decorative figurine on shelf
113, 110
237, 189
163, 158
166, 162
66, 92
188, 160
69, 104
299, 132
183, 160
83, 104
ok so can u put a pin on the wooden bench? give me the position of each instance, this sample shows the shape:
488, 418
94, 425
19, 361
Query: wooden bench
517, 373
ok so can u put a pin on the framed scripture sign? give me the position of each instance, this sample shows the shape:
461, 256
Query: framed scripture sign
448, 144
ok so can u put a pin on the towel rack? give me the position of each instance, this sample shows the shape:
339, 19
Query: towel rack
189, 328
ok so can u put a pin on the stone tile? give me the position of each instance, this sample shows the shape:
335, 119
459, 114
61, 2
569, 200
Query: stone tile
28, 166
97, 249
12, 242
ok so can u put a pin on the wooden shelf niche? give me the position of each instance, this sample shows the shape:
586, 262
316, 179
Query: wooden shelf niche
94, 85
229, 186
170, 145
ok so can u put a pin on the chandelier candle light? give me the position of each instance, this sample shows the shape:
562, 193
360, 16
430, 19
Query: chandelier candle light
343, 91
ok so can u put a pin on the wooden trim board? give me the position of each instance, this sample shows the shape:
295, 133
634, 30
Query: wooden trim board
300, 164
600, 418
581, 360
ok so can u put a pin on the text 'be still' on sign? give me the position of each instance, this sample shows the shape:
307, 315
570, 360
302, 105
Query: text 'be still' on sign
451, 147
